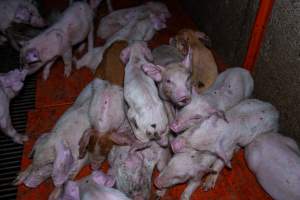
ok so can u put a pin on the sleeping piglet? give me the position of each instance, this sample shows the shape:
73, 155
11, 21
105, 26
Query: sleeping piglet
275, 161
136, 30
75, 25
246, 120
146, 113
56, 154
189, 166
97, 186
231, 86
133, 170
10, 85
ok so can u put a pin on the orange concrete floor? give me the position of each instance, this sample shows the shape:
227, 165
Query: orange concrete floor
56, 94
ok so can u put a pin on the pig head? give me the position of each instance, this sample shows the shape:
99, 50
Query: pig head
28, 14
12, 82
174, 80
131, 174
146, 113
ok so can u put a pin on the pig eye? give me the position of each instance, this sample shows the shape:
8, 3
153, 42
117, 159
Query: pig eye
168, 81
197, 117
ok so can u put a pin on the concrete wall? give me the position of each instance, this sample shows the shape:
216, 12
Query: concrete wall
277, 75
277, 72
228, 24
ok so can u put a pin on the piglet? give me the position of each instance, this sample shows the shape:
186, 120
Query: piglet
231, 86
136, 30
204, 67
10, 85
275, 161
146, 112
75, 25
19, 12
133, 170
97, 186
56, 154
118, 19
221, 138
189, 166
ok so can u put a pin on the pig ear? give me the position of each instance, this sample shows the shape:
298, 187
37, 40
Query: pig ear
22, 14
94, 4
84, 142
125, 55
204, 38
102, 179
194, 91
154, 71
63, 164
157, 23
187, 62
172, 41
120, 138
71, 191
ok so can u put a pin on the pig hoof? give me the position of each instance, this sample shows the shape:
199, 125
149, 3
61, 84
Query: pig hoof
45, 76
209, 182
67, 72
185, 197
20, 139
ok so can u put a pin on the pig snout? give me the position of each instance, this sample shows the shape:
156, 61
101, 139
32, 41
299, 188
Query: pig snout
38, 22
175, 126
177, 145
31, 56
183, 100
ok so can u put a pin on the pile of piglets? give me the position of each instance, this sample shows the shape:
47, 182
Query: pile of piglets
174, 112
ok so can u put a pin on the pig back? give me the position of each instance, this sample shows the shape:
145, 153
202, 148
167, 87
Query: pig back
76, 22
111, 68
275, 161
166, 54
253, 117
230, 87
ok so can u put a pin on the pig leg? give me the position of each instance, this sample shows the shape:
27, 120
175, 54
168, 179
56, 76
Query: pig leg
67, 58
8, 129
109, 5
211, 179
56, 193
191, 187
91, 39
46, 70
22, 176
164, 158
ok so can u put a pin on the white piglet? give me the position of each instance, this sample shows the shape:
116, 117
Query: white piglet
146, 112
75, 25
275, 161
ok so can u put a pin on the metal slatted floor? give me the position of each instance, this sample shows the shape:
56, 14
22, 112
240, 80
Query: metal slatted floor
11, 153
